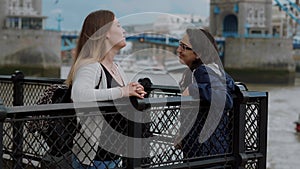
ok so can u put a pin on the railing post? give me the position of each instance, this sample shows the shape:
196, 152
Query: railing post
263, 127
135, 130
239, 127
18, 79
2, 118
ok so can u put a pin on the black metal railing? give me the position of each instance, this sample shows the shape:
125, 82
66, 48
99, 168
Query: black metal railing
23, 146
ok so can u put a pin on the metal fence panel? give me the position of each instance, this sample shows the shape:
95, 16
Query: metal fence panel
240, 136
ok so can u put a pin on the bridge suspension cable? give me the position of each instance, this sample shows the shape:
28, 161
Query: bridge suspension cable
289, 9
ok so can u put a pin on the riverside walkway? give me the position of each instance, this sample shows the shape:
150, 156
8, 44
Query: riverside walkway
20, 148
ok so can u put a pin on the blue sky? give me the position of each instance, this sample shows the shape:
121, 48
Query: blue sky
73, 12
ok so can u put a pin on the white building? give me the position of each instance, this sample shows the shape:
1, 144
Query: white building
172, 24
176, 24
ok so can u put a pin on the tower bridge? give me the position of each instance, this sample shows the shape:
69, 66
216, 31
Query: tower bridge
244, 31
246, 36
254, 48
69, 39
291, 9
250, 19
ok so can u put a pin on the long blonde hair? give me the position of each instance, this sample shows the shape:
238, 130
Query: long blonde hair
90, 46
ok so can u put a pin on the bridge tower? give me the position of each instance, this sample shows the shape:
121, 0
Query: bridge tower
252, 52
240, 17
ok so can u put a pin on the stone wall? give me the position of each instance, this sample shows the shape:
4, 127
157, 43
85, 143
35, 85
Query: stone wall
16, 40
296, 56
37, 50
226, 7
259, 53
2, 13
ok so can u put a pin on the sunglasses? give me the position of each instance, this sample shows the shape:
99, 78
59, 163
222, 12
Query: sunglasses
184, 47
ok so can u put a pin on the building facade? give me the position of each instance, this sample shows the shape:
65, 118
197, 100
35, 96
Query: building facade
25, 44
252, 51
240, 17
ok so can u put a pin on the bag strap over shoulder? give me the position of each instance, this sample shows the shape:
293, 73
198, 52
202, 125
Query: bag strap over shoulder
97, 87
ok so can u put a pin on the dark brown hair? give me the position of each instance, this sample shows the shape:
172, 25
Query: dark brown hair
200, 47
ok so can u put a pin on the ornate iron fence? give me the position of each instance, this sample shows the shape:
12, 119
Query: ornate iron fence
239, 140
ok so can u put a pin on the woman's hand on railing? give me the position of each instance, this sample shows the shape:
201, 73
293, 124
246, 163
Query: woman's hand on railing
133, 89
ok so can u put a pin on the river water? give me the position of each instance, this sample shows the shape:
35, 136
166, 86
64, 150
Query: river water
283, 148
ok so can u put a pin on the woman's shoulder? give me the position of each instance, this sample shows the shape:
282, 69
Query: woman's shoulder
95, 66
91, 67
201, 69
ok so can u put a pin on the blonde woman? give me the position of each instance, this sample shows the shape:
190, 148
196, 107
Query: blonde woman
95, 77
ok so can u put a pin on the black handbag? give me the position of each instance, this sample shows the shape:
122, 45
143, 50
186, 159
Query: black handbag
58, 131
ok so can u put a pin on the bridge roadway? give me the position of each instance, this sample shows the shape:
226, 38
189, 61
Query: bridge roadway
68, 41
